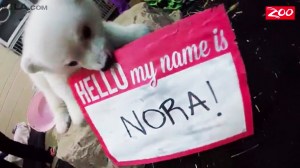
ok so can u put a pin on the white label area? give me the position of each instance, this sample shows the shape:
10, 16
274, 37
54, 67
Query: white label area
186, 110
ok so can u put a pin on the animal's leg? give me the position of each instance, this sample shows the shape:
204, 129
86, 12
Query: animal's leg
120, 35
63, 90
57, 105
74, 110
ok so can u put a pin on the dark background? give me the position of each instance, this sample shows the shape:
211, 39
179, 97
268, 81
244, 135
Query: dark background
271, 53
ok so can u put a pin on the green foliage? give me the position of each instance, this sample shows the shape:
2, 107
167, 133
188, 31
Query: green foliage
165, 4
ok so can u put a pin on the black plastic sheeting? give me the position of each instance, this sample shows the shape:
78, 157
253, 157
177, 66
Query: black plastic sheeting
36, 139
271, 53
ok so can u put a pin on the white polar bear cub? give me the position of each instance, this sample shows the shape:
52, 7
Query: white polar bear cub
69, 35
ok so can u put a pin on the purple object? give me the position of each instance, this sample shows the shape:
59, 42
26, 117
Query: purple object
122, 5
3, 155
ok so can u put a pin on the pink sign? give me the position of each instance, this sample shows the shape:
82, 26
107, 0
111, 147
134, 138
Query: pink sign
177, 91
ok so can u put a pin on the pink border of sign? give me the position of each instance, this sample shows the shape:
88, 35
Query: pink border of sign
246, 101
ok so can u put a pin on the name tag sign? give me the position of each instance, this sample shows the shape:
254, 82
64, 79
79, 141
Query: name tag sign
177, 91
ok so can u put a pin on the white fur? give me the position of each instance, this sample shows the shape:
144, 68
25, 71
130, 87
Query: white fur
53, 38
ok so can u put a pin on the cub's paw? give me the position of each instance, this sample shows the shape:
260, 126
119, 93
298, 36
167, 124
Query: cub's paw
62, 122
139, 30
76, 114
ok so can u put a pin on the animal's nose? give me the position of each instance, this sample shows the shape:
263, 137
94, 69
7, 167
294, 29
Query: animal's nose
109, 62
